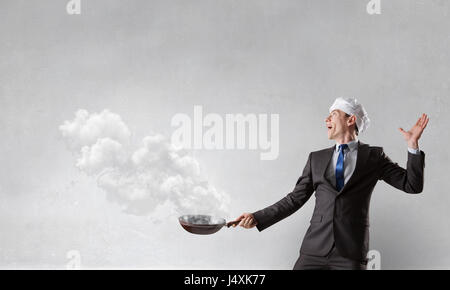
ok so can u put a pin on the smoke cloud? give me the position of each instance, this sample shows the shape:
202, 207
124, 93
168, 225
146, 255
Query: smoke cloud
144, 177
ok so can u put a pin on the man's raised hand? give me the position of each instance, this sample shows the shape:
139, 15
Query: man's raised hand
413, 135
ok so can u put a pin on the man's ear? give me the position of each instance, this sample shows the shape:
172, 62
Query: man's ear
351, 120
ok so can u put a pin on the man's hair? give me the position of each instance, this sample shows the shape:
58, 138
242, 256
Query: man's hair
356, 127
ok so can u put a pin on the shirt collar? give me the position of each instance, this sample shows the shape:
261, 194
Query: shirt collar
352, 145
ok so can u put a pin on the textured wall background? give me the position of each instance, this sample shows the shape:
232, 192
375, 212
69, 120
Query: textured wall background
149, 60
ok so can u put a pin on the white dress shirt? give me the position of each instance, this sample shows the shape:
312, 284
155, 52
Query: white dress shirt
350, 154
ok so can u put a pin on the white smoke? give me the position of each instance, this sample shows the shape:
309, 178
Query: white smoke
140, 179
86, 129
105, 153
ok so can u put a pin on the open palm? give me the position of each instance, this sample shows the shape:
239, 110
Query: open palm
416, 131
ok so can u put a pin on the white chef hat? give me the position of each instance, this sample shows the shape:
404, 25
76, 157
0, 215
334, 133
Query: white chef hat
352, 107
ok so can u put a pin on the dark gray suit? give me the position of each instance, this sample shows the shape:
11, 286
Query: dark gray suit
342, 218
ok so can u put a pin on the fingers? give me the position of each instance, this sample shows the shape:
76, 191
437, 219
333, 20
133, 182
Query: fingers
240, 218
424, 121
420, 122
417, 129
247, 221
244, 222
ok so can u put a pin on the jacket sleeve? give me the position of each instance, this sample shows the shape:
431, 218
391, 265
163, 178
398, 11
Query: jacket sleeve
409, 180
290, 203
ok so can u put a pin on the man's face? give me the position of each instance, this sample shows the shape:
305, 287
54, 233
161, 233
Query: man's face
337, 124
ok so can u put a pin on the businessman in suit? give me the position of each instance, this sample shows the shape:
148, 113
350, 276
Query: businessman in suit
343, 178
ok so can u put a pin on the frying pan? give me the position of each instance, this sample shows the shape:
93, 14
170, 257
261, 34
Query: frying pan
203, 224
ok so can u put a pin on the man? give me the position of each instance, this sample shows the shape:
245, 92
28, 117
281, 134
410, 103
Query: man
343, 178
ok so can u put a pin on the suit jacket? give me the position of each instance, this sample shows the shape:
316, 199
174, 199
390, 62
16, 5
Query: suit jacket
342, 217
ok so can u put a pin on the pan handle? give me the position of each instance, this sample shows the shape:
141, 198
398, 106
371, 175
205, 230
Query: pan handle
229, 224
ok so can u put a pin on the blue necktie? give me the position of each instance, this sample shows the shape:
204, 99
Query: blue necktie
340, 167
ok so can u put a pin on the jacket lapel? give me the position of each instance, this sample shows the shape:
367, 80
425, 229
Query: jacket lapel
325, 159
